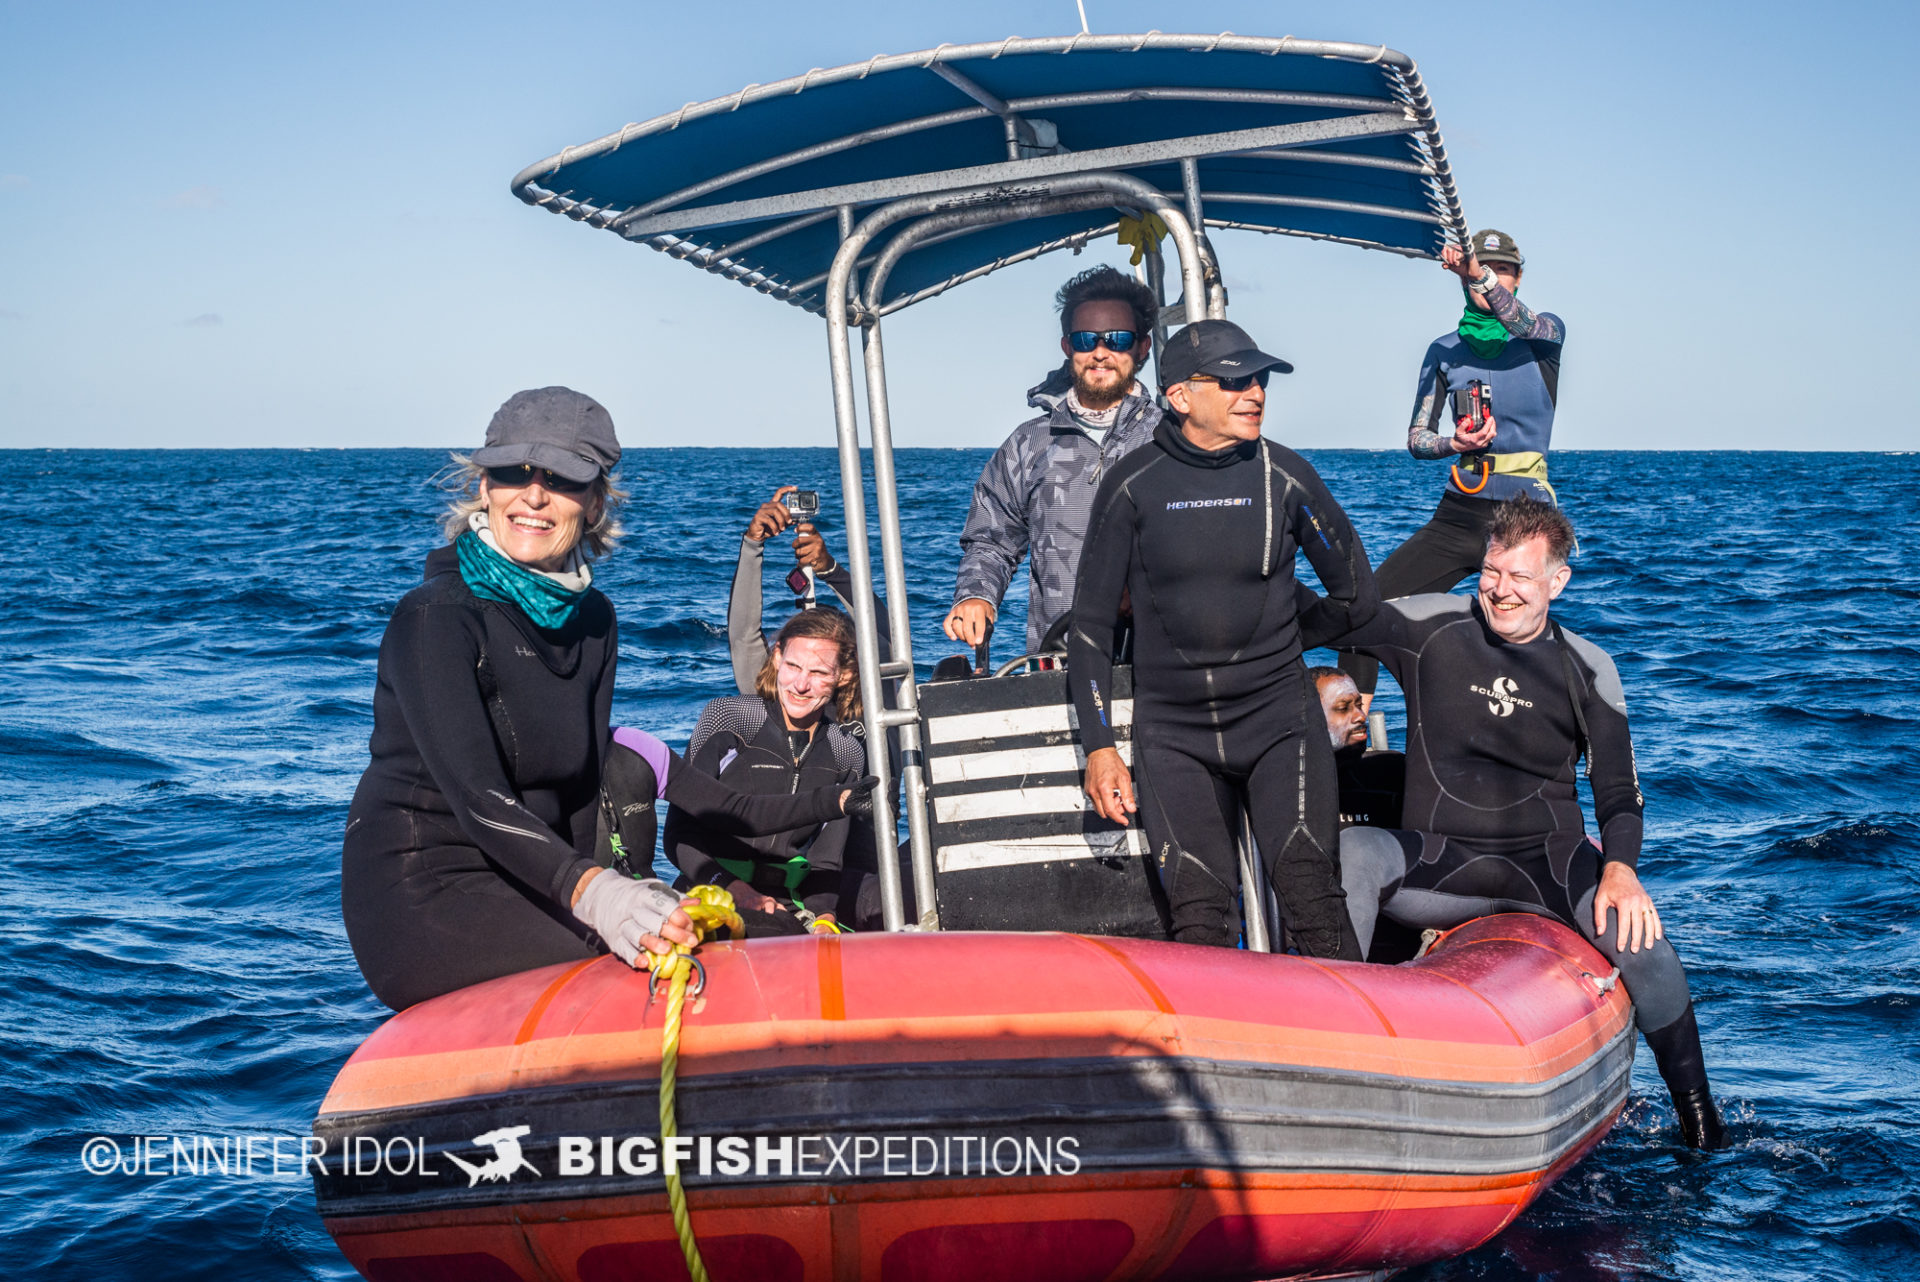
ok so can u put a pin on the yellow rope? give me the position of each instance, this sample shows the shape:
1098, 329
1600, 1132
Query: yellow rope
714, 910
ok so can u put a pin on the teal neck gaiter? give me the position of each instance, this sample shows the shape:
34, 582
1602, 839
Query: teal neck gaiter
550, 600
1483, 332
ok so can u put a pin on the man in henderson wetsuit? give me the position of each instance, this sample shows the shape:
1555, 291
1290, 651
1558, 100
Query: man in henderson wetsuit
1037, 489
1201, 527
1515, 351
1501, 703
1371, 783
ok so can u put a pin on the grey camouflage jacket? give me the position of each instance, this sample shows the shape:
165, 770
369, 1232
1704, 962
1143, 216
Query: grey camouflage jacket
1035, 494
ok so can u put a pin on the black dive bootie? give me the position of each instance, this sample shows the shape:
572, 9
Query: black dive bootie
1700, 1124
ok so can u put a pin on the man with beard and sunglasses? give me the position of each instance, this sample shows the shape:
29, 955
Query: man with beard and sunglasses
1201, 529
1036, 492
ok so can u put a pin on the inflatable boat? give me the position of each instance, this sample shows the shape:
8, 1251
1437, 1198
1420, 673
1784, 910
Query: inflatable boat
1014, 1080
930, 1106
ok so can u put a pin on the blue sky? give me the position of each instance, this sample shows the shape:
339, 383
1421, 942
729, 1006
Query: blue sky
289, 225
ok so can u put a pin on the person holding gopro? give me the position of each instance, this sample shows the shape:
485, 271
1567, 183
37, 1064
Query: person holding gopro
794, 725
790, 508
1496, 379
1201, 529
1035, 493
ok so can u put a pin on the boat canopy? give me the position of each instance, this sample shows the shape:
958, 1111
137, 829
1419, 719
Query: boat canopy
1325, 140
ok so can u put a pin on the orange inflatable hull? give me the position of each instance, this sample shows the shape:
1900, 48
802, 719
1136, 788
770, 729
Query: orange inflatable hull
1057, 1107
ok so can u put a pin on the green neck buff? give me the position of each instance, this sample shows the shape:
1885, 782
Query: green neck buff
544, 598
1483, 332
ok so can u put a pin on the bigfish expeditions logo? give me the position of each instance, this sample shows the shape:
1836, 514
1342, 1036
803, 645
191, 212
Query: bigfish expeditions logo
507, 1158
1502, 699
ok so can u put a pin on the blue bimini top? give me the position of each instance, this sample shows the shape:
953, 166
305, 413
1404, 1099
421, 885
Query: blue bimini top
1321, 139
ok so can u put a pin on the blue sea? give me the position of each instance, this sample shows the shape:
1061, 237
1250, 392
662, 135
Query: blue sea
186, 692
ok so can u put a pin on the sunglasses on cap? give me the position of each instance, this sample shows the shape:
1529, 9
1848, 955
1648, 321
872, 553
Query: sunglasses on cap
1117, 340
1238, 383
521, 474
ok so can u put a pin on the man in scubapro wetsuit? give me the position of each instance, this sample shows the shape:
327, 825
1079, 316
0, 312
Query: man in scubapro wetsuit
1515, 351
1501, 703
1200, 528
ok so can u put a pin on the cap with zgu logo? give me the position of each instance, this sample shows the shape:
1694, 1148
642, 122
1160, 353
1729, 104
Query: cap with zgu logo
1492, 246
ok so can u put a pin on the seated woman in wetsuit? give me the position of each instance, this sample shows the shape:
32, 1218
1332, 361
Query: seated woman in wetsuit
470, 843
799, 730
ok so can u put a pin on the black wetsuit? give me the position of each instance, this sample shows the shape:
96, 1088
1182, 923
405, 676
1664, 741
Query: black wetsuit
1372, 785
1223, 710
478, 814
745, 741
1492, 820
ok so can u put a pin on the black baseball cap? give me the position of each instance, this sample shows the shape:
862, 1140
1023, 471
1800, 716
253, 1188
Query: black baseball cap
556, 428
1491, 246
1215, 347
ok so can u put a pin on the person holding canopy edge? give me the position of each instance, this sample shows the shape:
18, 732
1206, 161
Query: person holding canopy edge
1201, 528
1508, 356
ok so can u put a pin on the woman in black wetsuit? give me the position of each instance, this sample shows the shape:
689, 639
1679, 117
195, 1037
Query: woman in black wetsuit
799, 729
470, 844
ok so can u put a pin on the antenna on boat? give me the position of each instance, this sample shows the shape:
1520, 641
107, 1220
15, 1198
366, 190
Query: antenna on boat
1081, 5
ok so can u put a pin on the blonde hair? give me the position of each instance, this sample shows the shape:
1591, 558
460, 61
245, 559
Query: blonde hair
463, 477
826, 624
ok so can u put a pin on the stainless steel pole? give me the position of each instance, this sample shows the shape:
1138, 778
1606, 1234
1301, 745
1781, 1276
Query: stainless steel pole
913, 771
860, 566
855, 238
1253, 890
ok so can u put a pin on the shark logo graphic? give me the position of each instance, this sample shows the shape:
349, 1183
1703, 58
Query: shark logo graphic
506, 1160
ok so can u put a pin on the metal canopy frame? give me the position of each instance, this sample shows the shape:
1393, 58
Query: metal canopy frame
751, 221
914, 208
935, 215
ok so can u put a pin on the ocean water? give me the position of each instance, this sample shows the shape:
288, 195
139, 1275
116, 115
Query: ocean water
185, 697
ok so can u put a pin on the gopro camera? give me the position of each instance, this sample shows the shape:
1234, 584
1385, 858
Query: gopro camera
1474, 403
804, 504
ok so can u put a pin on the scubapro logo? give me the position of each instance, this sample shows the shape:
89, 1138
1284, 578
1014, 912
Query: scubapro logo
507, 1158
1501, 699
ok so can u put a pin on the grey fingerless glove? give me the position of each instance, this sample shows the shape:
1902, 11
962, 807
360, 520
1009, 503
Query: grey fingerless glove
620, 910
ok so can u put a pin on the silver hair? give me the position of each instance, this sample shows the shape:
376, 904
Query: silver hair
463, 477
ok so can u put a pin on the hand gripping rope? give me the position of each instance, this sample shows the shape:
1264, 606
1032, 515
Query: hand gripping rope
714, 910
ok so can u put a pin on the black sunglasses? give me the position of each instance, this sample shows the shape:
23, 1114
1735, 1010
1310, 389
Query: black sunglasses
1238, 383
1117, 340
526, 474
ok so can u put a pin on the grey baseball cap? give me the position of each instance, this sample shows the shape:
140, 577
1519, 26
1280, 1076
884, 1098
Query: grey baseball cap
552, 427
1214, 347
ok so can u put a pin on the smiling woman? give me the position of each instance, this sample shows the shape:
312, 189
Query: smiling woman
472, 848
800, 728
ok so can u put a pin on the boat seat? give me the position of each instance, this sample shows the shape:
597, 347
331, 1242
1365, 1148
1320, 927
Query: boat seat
1015, 846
